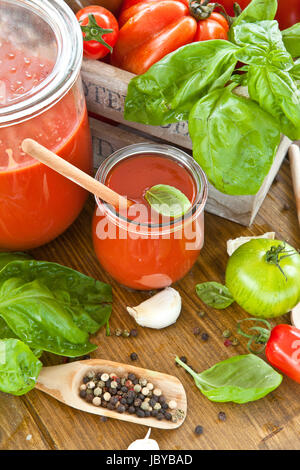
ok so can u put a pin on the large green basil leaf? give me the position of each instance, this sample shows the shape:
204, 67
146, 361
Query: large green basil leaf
52, 307
169, 89
19, 368
257, 10
240, 379
291, 39
261, 44
276, 92
6, 258
234, 141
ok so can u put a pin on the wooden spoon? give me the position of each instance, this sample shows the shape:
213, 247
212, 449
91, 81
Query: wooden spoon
62, 382
294, 155
41, 153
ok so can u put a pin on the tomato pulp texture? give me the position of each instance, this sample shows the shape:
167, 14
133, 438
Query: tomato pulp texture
142, 262
37, 204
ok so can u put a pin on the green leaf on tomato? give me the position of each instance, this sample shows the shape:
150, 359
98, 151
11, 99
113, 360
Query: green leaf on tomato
234, 141
291, 39
240, 379
214, 295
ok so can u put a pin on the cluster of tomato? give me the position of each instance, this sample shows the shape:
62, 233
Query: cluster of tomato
147, 30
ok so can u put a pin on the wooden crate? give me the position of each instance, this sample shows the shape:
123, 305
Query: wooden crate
105, 89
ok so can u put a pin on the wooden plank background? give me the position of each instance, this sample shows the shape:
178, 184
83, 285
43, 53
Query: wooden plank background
37, 421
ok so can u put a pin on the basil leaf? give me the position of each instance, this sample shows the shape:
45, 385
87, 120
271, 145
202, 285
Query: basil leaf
167, 200
51, 307
261, 44
295, 71
240, 379
19, 368
276, 92
291, 39
257, 10
234, 141
169, 89
6, 258
214, 295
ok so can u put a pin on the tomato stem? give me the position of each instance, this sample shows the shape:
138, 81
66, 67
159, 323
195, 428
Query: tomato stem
277, 254
94, 32
260, 337
202, 10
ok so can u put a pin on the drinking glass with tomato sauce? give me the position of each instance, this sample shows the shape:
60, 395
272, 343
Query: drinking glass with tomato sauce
41, 97
144, 250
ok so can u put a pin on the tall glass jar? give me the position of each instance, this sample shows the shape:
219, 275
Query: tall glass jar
152, 255
41, 97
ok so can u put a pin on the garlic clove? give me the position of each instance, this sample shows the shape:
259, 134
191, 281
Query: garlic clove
295, 316
144, 444
160, 311
233, 245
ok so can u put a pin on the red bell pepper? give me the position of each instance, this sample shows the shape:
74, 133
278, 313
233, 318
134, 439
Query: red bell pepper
281, 344
151, 29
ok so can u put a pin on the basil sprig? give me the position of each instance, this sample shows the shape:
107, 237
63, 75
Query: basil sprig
214, 295
192, 84
239, 379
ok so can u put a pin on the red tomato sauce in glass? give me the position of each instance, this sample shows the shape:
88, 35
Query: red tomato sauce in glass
145, 262
37, 204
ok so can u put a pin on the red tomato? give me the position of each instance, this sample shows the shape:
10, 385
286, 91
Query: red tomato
100, 31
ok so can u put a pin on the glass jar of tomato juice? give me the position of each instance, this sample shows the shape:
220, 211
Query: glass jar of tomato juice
144, 250
41, 97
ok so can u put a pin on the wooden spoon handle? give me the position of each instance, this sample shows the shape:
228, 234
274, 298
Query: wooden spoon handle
73, 173
294, 154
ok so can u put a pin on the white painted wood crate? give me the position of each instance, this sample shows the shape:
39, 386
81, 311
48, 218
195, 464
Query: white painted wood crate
105, 89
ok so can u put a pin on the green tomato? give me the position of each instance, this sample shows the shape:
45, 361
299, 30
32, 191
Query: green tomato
263, 277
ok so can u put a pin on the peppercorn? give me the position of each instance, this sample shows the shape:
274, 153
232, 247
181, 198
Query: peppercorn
85, 380
201, 314
157, 406
145, 391
121, 409
104, 377
133, 333
226, 334
198, 430
97, 391
204, 336
154, 413
107, 396
124, 389
91, 385
125, 333
113, 384
161, 399
152, 402
131, 410
101, 384
123, 401
140, 413
82, 393
147, 413
222, 416
235, 342
196, 331
160, 416
134, 356
131, 377
113, 391
165, 406
137, 403
128, 384
89, 398
82, 387
145, 406
168, 416
110, 406
183, 359
91, 374
118, 332
137, 388
157, 392
103, 419
172, 405
143, 382
113, 400
150, 386
227, 343
97, 401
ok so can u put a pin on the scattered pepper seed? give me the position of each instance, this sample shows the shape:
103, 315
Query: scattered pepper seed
104, 419
235, 342
134, 332
134, 356
222, 416
125, 333
286, 207
204, 336
198, 430
227, 343
201, 314
196, 331
118, 332
183, 359
227, 333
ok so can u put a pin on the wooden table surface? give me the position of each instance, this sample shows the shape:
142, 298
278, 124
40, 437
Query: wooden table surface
37, 421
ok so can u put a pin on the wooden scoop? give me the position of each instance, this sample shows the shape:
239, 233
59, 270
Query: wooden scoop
63, 382
294, 155
41, 153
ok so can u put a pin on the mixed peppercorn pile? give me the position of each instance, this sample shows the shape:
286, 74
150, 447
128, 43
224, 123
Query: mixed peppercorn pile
129, 394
